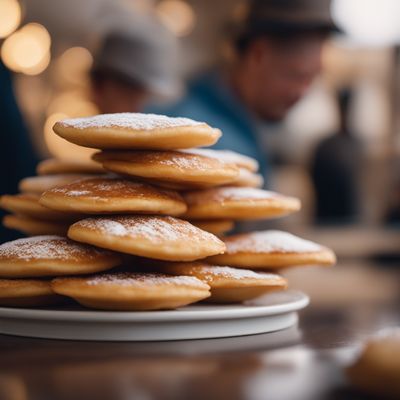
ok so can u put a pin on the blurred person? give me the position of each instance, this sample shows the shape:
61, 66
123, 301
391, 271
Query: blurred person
335, 171
17, 155
276, 54
132, 66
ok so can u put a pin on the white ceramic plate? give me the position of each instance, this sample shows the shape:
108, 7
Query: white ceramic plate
268, 313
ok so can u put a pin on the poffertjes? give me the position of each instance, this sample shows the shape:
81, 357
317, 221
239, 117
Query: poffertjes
238, 203
52, 256
228, 285
136, 131
164, 238
27, 293
172, 169
271, 250
112, 196
133, 291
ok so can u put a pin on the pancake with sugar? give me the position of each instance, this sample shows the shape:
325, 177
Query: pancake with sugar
55, 166
165, 238
228, 285
173, 169
136, 131
272, 250
52, 256
238, 203
133, 291
113, 196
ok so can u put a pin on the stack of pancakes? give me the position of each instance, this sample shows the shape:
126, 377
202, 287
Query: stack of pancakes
151, 209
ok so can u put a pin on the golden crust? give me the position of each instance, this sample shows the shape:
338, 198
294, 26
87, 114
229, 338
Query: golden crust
227, 284
33, 226
272, 250
164, 238
39, 184
230, 157
275, 260
27, 204
175, 169
52, 256
249, 179
132, 291
55, 166
217, 227
238, 203
113, 196
115, 137
26, 293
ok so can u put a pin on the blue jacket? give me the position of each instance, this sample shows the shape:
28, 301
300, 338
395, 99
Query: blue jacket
209, 100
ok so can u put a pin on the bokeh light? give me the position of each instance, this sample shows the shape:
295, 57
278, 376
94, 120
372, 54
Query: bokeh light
73, 65
177, 16
369, 22
59, 147
27, 50
10, 17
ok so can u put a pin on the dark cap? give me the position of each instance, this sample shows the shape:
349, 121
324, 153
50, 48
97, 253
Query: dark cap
144, 57
283, 16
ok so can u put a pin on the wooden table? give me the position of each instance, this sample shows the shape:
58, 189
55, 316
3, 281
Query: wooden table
302, 363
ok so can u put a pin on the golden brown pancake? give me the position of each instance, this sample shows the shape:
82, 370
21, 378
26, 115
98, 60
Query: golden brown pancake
113, 196
215, 226
27, 204
230, 157
377, 369
164, 238
271, 250
241, 203
136, 131
248, 179
228, 285
173, 169
56, 166
35, 226
39, 184
26, 293
133, 291
52, 256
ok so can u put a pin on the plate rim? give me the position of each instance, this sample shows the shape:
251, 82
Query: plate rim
89, 316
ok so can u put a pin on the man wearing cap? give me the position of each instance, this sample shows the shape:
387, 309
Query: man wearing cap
277, 47
133, 65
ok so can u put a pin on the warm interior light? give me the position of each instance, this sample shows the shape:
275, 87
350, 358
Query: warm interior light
369, 22
27, 50
177, 16
73, 65
59, 147
10, 17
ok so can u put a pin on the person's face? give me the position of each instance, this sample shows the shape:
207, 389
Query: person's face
282, 71
112, 96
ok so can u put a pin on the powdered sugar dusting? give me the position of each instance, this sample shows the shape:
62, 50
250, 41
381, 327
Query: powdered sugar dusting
133, 279
230, 193
270, 242
48, 247
106, 188
157, 230
134, 121
228, 156
236, 273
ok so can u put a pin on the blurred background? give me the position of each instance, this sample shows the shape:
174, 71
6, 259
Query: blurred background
337, 148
